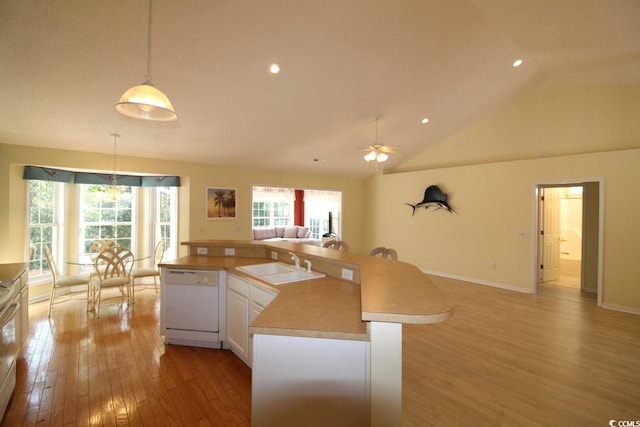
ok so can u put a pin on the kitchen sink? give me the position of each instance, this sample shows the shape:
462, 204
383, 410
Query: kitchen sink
263, 269
291, 276
277, 273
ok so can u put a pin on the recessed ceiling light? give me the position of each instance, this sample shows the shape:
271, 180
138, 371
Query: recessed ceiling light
275, 68
425, 121
517, 62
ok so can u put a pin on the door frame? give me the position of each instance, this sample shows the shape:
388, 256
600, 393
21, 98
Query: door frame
535, 220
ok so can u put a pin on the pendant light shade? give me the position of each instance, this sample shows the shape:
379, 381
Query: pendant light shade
377, 155
145, 102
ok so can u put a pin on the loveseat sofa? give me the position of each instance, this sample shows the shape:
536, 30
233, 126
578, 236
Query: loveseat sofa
291, 233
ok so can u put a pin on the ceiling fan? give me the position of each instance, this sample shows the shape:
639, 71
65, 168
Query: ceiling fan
379, 152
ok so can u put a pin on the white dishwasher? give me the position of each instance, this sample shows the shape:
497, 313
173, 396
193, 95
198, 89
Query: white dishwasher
191, 307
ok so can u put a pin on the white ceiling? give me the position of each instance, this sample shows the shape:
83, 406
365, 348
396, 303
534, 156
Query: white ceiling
65, 63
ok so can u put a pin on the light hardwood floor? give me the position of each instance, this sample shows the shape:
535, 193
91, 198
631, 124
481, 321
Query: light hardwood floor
504, 358
514, 359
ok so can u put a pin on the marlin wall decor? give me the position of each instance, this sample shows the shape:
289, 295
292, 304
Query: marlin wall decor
433, 196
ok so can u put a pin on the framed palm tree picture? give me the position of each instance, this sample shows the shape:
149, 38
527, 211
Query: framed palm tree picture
220, 203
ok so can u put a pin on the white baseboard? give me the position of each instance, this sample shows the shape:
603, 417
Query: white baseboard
623, 308
478, 281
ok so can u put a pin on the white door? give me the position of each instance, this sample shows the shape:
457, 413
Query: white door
550, 234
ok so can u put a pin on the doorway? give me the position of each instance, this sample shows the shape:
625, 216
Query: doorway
569, 244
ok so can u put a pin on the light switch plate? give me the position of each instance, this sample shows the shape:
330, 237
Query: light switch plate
274, 255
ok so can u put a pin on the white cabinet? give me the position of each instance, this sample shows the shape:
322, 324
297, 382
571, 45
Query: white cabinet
259, 299
237, 315
310, 382
245, 301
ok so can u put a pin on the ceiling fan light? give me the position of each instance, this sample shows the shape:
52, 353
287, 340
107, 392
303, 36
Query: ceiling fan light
371, 155
382, 157
145, 102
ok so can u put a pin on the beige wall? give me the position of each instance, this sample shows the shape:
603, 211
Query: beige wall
494, 201
195, 178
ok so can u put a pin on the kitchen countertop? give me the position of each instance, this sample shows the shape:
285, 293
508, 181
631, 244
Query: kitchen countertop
388, 291
11, 272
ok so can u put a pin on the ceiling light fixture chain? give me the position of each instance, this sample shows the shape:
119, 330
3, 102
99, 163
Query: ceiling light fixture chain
148, 80
114, 179
146, 102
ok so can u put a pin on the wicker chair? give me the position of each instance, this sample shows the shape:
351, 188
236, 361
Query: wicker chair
139, 273
65, 281
112, 267
339, 245
383, 252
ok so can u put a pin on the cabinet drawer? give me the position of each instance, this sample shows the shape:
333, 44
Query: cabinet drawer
260, 296
238, 285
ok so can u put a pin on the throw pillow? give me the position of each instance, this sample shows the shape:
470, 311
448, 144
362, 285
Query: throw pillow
303, 232
263, 233
290, 232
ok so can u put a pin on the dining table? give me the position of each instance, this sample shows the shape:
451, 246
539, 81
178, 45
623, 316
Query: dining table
88, 260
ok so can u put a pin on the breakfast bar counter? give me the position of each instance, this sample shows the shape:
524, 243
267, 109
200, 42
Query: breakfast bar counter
389, 291
337, 338
319, 308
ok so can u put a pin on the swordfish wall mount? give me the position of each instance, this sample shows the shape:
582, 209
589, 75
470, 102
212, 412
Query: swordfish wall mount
433, 196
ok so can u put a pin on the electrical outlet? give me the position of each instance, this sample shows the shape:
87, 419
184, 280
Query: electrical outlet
347, 274
274, 255
229, 251
492, 264
202, 251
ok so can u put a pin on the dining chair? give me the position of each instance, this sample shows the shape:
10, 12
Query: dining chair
339, 245
139, 273
383, 252
100, 245
65, 281
111, 268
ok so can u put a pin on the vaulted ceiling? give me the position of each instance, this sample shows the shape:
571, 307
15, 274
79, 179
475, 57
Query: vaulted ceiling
65, 63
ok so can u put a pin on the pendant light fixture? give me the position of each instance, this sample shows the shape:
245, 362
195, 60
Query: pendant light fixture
144, 101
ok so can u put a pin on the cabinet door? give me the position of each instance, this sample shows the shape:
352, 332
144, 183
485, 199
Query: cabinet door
24, 310
254, 310
237, 329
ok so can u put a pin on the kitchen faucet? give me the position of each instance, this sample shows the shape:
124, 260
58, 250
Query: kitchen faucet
295, 259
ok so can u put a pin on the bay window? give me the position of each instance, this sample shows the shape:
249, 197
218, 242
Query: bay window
68, 216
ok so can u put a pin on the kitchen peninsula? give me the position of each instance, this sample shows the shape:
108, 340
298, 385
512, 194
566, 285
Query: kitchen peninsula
330, 348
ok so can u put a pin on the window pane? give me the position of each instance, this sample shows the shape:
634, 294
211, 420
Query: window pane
104, 218
107, 215
166, 220
42, 224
